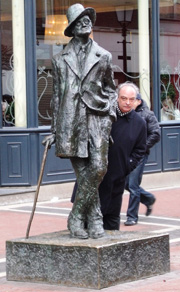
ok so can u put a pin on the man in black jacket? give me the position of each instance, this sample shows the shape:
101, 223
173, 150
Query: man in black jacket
137, 193
129, 136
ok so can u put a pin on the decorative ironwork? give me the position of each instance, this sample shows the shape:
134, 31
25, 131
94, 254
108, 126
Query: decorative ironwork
177, 85
8, 99
170, 88
143, 77
44, 95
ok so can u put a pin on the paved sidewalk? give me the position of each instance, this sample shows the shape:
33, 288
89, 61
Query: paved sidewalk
52, 216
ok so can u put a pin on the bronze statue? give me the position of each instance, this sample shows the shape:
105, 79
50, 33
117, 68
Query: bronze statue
83, 106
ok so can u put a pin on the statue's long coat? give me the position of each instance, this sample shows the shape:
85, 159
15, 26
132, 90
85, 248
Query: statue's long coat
79, 94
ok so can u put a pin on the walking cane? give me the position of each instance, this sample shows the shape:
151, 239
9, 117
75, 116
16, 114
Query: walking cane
38, 187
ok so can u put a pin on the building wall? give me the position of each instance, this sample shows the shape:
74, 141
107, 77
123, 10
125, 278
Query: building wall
21, 149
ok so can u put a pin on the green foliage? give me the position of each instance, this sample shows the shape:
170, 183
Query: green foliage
170, 90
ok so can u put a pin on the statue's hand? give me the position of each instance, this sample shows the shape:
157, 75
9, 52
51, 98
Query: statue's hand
50, 140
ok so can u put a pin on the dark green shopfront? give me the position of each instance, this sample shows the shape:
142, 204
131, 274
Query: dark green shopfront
143, 37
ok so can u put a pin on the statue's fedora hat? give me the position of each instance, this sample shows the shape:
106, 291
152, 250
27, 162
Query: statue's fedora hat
77, 11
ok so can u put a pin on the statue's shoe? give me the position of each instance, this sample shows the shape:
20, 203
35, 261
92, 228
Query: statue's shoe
95, 229
76, 227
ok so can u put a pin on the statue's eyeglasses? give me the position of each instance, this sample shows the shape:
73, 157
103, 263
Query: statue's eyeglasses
83, 21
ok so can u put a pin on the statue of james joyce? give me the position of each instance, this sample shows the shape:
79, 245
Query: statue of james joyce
83, 107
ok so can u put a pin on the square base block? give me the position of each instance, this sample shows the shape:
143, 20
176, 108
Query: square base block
56, 258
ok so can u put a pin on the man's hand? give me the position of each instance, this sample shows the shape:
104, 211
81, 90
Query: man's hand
50, 140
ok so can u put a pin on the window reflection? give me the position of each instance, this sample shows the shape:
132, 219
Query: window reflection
14, 111
170, 60
117, 29
7, 102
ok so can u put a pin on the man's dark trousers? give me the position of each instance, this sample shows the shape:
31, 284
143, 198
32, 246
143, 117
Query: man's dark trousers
137, 194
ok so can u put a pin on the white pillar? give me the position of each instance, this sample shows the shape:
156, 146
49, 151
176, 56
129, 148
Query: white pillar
144, 56
19, 63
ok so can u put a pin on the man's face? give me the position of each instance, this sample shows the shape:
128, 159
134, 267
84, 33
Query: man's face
126, 98
82, 26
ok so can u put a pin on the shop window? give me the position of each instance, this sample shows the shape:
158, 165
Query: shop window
7, 101
170, 60
123, 28
13, 75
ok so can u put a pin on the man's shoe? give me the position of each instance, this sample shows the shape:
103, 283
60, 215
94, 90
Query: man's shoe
130, 223
149, 207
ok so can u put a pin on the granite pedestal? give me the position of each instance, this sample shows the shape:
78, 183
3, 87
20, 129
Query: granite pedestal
56, 258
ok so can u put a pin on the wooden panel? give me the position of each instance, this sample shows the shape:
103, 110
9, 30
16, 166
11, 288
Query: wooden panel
171, 148
154, 160
14, 159
14, 151
56, 169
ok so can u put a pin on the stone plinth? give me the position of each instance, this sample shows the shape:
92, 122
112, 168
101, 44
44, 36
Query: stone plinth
119, 257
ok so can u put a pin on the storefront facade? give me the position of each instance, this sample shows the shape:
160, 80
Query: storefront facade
143, 37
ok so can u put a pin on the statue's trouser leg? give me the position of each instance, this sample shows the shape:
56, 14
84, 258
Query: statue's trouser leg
77, 216
90, 172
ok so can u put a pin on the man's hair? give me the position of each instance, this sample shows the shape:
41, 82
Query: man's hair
127, 83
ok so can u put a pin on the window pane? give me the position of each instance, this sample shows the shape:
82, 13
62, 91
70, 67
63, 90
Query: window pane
170, 59
7, 64
13, 63
122, 27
